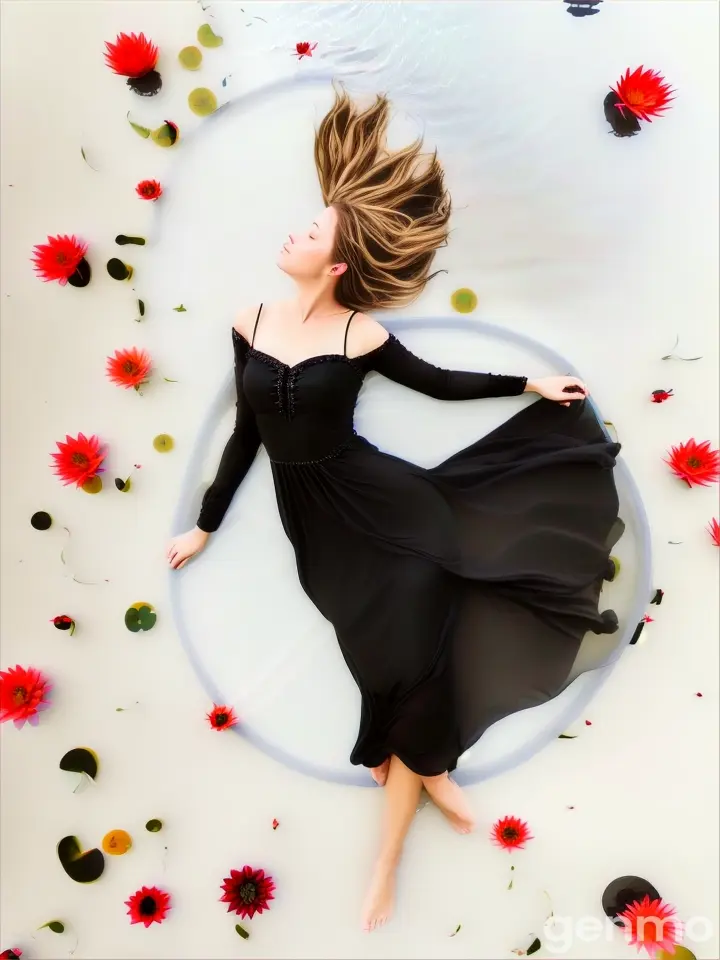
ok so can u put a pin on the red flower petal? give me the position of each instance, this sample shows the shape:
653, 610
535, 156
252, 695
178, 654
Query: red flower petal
221, 717
149, 190
713, 529
131, 55
644, 92
304, 49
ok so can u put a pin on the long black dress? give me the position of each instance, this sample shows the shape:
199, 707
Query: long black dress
458, 594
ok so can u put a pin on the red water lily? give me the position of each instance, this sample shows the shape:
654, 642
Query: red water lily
510, 833
24, 693
304, 49
149, 190
148, 905
129, 368
695, 463
131, 55
59, 258
651, 924
247, 891
221, 718
14, 954
660, 396
644, 93
713, 529
79, 459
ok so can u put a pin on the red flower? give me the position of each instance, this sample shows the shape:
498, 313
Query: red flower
304, 49
79, 459
58, 259
698, 694
247, 892
64, 622
660, 396
511, 833
650, 924
149, 190
23, 694
129, 368
275, 824
131, 56
222, 717
148, 905
644, 93
13, 954
713, 529
695, 463
647, 619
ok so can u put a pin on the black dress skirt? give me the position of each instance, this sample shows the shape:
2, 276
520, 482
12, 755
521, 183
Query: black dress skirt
458, 594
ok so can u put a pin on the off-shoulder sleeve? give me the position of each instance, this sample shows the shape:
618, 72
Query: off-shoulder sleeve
396, 362
239, 453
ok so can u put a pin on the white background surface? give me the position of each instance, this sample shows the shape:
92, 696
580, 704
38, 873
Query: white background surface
605, 249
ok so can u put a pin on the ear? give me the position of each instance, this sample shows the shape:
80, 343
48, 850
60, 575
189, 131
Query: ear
338, 269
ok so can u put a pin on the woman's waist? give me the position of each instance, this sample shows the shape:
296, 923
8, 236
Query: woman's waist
295, 443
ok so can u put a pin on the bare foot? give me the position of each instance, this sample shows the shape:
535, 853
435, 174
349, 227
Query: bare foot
380, 898
449, 798
380, 774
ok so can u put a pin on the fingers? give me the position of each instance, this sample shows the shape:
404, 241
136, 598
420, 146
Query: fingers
171, 547
183, 563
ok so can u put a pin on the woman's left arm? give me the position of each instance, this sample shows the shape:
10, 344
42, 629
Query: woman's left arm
396, 362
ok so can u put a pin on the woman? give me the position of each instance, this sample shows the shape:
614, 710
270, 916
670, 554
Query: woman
458, 594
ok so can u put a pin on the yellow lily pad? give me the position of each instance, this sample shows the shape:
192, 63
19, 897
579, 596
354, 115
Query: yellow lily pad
93, 485
207, 38
167, 135
190, 57
202, 101
163, 443
117, 842
464, 300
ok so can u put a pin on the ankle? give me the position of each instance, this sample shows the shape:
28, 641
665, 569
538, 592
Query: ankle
387, 861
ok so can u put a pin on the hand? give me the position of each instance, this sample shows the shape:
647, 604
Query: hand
561, 389
186, 546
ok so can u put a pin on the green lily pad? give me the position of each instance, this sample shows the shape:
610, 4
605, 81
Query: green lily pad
80, 760
57, 926
167, 135
464, 300
41, 520
163, 443
242, 932
140, 616
154, 826
93, 485
190, 57
119, 270
202, 101
124, 486
144, 132
82, 867
680, 953
180, 309
122, 240
207, 38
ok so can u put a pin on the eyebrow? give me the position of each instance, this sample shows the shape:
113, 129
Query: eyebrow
316, 224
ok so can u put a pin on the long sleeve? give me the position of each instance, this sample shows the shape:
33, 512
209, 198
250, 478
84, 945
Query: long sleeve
239, 453
396, 362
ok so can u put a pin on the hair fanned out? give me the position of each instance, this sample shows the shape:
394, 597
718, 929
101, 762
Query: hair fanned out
393, 208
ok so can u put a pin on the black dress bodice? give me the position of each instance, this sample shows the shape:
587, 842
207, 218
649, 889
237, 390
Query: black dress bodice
304, 413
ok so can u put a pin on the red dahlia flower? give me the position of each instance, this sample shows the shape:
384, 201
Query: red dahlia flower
247, 892
651, 924
304, 49
149, 190
134, 57
511, 833
695, 463
129, 368
60, 259
221, 718
23, 694
644, 93
148, 905
79, 459
714, 530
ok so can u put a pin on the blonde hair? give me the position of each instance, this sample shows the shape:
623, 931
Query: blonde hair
393, 208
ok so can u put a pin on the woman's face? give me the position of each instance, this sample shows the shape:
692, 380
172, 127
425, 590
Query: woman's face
308, 255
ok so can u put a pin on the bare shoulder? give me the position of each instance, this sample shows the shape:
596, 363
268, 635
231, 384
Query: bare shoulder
364, 335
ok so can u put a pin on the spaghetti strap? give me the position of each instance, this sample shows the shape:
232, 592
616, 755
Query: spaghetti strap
346, 332
257, 320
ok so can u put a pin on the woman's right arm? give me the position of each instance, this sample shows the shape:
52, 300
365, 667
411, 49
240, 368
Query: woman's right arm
236, 460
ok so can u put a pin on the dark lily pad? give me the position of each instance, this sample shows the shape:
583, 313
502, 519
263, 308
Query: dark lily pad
141, 307
621, 892
147, 85
242, 932
41, 520
202, 101
167, 135
624, 123
122, 240
207, 38
567, 736
140, 617
190, 58
154, 826
124, 486
81, 866
534, 947
119, 270
81, 276
57, 926
80, 760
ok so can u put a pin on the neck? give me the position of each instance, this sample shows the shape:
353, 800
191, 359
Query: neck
316, 298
